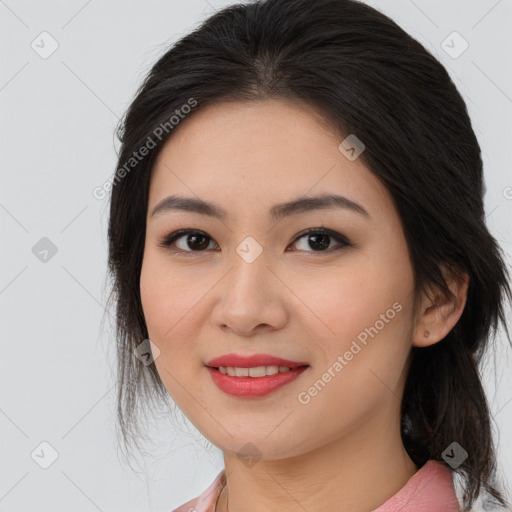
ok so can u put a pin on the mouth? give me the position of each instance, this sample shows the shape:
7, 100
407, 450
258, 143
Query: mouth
254, 371
253, 376
252, 361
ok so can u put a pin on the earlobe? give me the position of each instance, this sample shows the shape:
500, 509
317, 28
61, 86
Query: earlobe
437, 314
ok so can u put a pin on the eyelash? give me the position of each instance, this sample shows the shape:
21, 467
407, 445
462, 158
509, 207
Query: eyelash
172, 237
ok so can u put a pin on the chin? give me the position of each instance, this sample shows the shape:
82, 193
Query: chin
255, 446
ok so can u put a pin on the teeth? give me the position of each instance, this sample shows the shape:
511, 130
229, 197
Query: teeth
242, 372
257, 371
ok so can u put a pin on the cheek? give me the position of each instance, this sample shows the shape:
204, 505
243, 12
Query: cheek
343, 303
171, 302
167, 296
153, 297
162, 313
165, 311
360, 369
364, 316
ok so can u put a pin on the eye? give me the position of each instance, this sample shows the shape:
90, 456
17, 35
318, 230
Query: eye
197, 241
319, 239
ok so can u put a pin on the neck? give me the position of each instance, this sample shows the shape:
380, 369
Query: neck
358, 472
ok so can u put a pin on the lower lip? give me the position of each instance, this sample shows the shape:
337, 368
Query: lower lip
249, 387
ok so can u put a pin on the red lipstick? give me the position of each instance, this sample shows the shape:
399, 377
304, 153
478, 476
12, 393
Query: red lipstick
248, 386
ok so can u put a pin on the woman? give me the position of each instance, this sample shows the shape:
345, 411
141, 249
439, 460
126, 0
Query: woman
297, 225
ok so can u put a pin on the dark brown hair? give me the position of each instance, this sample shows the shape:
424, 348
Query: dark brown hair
367, 77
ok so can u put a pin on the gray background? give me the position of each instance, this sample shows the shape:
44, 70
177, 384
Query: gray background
57, 122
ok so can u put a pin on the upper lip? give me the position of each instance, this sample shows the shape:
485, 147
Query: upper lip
239, 361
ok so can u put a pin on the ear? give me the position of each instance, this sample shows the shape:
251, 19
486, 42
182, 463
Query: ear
437, 315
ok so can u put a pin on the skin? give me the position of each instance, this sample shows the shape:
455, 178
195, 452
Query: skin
294, 301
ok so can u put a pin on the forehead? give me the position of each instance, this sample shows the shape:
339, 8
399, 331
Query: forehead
247, 154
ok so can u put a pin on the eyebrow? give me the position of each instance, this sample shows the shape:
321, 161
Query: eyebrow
277, 212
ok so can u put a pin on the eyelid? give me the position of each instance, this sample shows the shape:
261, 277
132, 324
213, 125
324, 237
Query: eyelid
335, 235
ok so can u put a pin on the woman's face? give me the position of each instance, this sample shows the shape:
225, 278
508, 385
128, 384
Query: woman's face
254, 283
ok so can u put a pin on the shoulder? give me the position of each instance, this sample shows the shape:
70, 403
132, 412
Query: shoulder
205, 502
430, 489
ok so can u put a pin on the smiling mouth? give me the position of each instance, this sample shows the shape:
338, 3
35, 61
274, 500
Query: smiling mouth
253, 382
254, 371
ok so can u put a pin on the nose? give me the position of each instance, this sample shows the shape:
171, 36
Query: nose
251, 297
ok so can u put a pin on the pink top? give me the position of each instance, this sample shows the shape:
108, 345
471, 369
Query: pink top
430, 489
